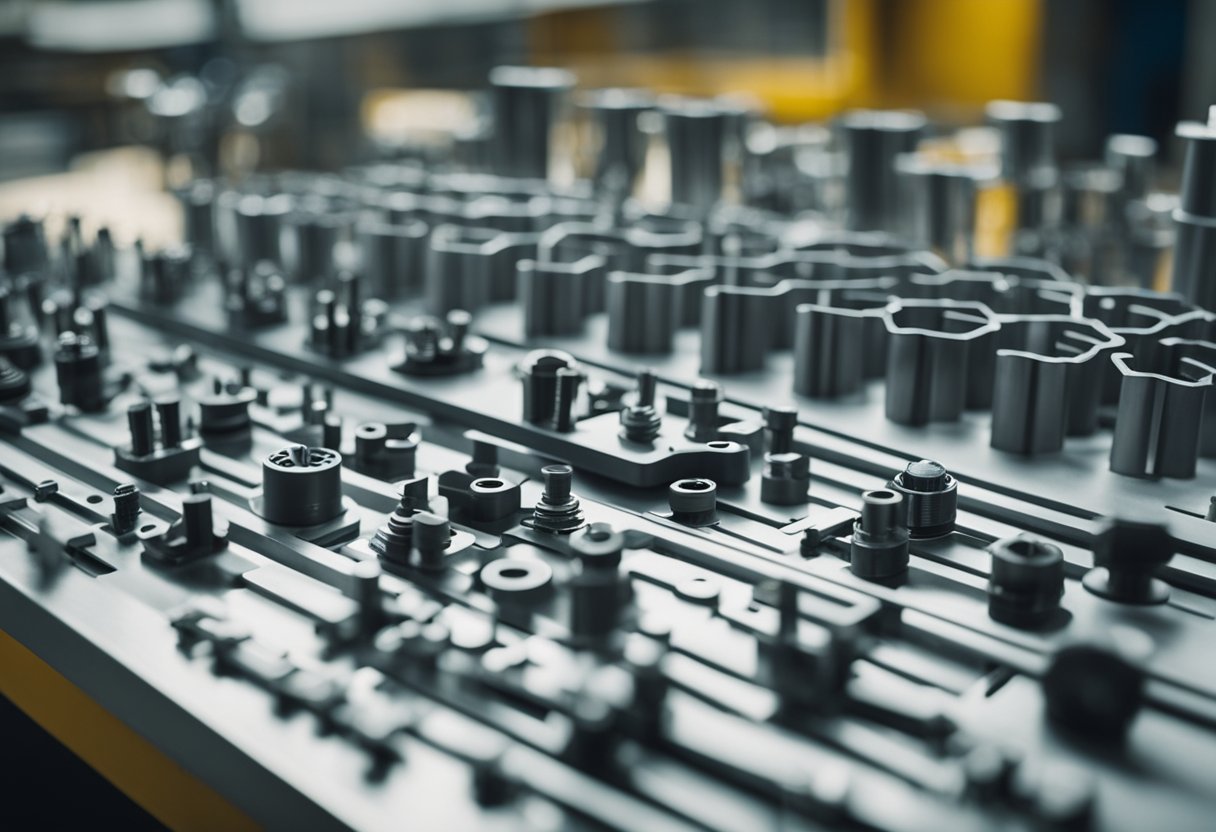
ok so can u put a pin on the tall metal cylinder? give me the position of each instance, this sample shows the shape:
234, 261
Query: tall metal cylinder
1195, 217
695, 132
873, 140
527, 104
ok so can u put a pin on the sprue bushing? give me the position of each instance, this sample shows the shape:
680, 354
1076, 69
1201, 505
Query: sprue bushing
694, 502
301, 486
931, 496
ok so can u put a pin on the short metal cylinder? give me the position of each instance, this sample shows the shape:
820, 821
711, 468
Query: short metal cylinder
301, 486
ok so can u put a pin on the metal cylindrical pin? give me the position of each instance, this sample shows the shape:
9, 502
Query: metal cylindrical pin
168, 413
139, 420
197, 519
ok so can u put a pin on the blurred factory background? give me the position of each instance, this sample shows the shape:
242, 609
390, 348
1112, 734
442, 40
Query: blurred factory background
304, 83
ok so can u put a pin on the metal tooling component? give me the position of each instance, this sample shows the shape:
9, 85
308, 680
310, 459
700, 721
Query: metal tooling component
527, 103
194, 536
829, 349
1127, 554
343, 323
434, 347
164, 275
256, 296
693, 502
260, 226
931, 343
695, 131
690, 283
522, 646
1027, 131
198, 214
1142, 319
176, 456
467, 267
640, 421
25, 248
621, 142
873, 139
1028, 163
931, 496
1005, 294
642, 313
1194, 274
14, 383
558, 509
224, 412
1094, 690
938, 205
622, 250
78, 369
735, 329
785, 296
1134, 159
551, 294
392, 255
301, 486
786, 479
1026, 582
1048, 379
1160, 415
538, 372
1195, 359
18, 340
878, 550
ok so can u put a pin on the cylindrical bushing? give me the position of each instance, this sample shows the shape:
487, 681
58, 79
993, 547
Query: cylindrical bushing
527, 103
873, 140
198, 213
1026, 582
695, 131
259, 227
879, 547
317, 233
931, 497
642, 312
301, 486
1134, 159
621, 143
694, 502
1027, 131
392, 256
1195, 217
829, 351
735, 329
938, 201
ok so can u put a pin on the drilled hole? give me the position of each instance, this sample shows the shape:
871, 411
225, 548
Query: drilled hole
94, 498
696, 485
718, 444
488, 483
514, 572
147, 528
